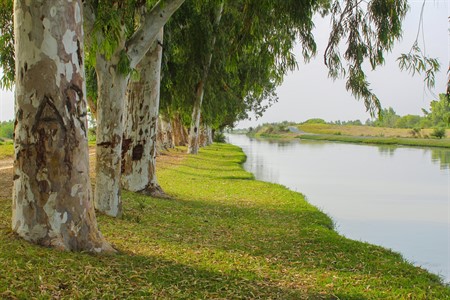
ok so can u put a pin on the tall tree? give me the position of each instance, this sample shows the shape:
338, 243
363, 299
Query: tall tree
116, 55
139, 138
205, 64
51, 194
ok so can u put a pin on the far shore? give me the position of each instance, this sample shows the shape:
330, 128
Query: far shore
354, 134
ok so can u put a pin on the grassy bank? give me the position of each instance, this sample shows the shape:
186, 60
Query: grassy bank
223, 235
445, 143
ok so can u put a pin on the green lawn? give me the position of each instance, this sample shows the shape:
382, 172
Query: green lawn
223, 235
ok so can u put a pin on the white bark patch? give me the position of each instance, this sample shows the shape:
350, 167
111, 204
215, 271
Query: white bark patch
53, 11
54, 218
64, 218
69, 71
49, 44
77, 13
70, 45
75, 189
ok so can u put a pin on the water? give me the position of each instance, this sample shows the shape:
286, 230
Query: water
396, 197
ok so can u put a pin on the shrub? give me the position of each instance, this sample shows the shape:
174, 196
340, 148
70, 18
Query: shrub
438, 132
219, 137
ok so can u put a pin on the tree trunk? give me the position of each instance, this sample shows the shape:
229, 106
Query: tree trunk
195, 121
139, 142
209, 135
52, 203
166, 133
200, 90
179, 133
110, 112
111, 98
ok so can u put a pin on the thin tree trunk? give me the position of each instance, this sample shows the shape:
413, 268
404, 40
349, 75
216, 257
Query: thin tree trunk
200, 90
111, 94
195, 123
209, 135
52, 203
166, 133
178, 131
139, 143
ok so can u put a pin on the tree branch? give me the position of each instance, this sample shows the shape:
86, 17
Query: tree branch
154, 20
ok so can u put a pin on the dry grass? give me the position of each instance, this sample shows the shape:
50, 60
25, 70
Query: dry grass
353, 130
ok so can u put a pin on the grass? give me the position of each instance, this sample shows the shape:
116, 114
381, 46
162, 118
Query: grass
6, 149
223, 235
354, 130
379, 140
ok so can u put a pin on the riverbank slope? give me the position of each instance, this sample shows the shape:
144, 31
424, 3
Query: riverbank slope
223, 235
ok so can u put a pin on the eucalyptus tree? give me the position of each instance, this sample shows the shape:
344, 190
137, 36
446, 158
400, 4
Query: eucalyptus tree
117, 47
139, 138
234, 66
52, 203
205, 64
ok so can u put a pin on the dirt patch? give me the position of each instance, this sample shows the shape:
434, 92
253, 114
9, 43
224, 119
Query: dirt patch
6, 178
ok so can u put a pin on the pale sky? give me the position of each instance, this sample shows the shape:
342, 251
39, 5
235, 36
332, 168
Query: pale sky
309, 93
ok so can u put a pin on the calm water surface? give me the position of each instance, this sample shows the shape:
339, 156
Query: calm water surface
396, 197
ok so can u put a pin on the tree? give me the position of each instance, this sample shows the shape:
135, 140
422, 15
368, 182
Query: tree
193, 140
387, 118
52, 203
440, 112
115, 55
139, 141
6, 43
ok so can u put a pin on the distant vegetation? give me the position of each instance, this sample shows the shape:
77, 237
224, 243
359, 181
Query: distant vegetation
433, 123
6, 130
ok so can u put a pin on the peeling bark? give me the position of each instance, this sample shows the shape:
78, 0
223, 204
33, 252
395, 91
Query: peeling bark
139, 147
52, 203
179, 132
165, 140
111, 94
209, 135
195, 123
111, 98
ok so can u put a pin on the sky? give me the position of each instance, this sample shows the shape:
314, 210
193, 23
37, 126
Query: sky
309, 93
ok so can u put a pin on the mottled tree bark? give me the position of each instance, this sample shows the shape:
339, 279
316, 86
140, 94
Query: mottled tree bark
193, 140
139, 142
110, 114
179, 132
209, 135
52, 203
112, 96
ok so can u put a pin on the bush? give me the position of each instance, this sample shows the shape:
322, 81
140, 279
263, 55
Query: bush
219, 137
438, 132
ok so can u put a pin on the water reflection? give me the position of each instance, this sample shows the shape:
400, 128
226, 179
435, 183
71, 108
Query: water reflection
386, 150
396, 197
441, 157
